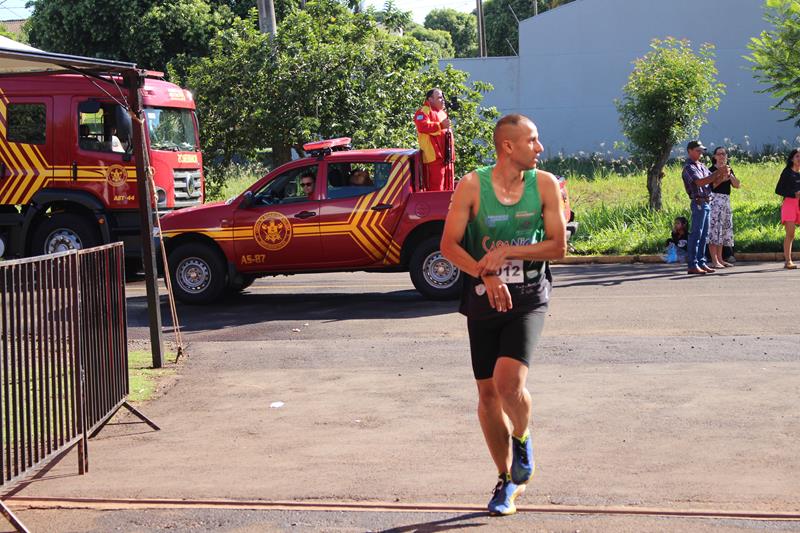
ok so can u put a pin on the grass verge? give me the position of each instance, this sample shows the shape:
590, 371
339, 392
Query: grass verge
144, 379
615, 219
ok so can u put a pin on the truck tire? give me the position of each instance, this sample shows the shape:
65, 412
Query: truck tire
62, 232
434, 277
198, 273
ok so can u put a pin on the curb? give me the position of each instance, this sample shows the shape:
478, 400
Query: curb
628, 259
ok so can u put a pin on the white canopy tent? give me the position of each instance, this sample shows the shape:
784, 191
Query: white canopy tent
17, 58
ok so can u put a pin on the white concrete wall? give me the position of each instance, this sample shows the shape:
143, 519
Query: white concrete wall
575, 59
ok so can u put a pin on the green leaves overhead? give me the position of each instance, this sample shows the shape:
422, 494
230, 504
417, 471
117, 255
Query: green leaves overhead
147, 32
775, 58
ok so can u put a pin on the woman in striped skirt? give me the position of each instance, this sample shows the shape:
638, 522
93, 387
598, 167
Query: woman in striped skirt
720, 228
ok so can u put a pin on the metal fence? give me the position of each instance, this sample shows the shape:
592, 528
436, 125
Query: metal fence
64, 367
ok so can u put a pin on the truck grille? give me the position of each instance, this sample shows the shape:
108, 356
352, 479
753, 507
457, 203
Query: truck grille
188, 187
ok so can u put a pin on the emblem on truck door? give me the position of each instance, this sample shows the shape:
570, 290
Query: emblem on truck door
272, 231
116, 175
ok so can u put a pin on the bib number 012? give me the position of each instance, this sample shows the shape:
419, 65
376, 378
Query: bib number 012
512, 272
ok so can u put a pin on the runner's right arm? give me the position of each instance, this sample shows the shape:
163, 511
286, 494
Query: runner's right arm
464, 199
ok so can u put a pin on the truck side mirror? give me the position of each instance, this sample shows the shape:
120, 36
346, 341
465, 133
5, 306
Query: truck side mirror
247, 200
124, 126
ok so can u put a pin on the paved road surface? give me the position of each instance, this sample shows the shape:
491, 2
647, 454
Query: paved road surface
651, 389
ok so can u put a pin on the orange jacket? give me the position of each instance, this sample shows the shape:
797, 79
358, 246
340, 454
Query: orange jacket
430, 133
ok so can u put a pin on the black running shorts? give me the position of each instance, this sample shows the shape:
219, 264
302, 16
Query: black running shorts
513, 335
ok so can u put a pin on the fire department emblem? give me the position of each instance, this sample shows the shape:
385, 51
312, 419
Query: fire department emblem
272, 231
117, 175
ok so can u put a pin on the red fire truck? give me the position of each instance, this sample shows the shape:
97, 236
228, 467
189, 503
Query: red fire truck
338, 210
67, 175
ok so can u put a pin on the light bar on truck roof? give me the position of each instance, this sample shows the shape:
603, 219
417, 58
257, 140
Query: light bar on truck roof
321, 148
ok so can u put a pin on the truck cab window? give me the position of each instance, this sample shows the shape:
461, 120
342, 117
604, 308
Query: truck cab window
171, 129
295, 185
97, 127
27, 123
346, 180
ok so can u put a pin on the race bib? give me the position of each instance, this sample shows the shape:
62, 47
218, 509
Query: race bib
512, 272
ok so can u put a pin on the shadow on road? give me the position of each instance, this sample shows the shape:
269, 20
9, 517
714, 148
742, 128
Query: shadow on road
254, 308
613, 275
439, 525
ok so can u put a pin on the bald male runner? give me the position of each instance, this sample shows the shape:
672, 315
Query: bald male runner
505, 223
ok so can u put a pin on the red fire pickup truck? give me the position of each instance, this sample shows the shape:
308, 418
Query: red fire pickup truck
337, 210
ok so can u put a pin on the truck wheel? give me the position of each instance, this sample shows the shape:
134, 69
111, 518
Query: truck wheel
62, 232
197, 272
433, 275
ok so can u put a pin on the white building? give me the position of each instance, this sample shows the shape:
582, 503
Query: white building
574, 60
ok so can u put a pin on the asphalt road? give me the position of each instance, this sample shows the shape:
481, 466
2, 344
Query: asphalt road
651, 388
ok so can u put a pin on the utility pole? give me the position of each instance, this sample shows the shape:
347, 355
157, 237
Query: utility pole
482, 52
266, 17
135, 81
535, 7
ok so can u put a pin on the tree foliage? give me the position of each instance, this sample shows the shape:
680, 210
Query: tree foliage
462, 27
147, 32
667, 98
439, 42
775, 56
328, 73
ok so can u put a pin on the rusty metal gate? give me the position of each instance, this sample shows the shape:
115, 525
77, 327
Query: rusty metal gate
64, 366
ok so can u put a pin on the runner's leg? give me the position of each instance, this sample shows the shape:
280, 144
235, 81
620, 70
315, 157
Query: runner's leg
510, 376
495, 424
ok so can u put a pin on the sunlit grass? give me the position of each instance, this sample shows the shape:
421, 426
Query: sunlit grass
615, 219
144, 379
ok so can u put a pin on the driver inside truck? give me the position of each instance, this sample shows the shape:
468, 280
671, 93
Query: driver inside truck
307, 183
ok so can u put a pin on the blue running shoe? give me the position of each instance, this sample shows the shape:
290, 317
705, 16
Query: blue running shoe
502, 502
522, 463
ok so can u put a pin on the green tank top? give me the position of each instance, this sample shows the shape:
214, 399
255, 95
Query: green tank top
506, 225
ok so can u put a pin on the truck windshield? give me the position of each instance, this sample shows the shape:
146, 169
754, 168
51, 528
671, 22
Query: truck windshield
171, 129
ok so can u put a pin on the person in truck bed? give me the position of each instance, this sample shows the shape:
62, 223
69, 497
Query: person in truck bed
505, 223
435, 141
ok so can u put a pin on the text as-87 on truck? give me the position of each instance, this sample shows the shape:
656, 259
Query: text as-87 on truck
67, 172
337, 210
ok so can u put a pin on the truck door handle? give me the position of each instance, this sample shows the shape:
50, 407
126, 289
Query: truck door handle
74, 171
305, 214
382, 207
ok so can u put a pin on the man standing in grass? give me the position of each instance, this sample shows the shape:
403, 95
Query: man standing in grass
698, 181
505, 223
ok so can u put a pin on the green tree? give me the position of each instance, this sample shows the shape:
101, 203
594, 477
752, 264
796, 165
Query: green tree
502, 29
147, 32
462, 27
439, 41
393, 18
667, 98
329, 73
775, 56
241, 8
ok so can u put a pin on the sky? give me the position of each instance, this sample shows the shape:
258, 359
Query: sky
420, 8
15, 9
